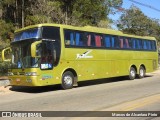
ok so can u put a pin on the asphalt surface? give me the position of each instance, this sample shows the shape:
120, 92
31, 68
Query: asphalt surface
113, 94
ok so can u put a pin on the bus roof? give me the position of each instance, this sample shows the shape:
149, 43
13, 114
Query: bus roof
88, 29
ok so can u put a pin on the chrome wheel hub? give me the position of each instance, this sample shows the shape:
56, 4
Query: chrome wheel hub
132, 73
68, 80
141, 72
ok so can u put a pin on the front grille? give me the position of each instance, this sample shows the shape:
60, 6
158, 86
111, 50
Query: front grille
19, 73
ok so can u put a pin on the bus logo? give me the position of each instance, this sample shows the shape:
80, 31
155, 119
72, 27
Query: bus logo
84, 55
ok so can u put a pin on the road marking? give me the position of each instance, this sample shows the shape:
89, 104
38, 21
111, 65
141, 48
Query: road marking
135, 104
143, 102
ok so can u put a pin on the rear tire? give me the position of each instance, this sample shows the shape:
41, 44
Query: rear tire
132, 73
142, 72
67, 80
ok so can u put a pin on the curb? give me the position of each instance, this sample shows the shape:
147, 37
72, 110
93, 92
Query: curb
4, 83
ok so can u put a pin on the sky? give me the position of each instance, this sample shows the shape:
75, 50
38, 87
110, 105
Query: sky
146, 10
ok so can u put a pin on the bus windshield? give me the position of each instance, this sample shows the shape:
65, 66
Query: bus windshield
21, 55
27, 34
48, 51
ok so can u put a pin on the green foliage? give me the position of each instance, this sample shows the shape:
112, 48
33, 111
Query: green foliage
113, 5
74, 12
133, 21
15, 14
43, 11
6, 33
89, 12
8, 2
104, 24
79, 12
4, 68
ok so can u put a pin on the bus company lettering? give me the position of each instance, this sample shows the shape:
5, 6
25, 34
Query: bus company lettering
84, 55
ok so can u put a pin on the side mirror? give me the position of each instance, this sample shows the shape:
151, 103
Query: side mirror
6, 54
34, 48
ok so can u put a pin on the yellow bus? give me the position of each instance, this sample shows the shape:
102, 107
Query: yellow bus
48, 54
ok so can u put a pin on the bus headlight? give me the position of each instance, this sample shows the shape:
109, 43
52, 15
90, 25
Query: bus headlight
10, 73
28, 80
31, 74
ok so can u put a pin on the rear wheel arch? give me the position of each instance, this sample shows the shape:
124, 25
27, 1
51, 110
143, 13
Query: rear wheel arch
142, 65
134, 66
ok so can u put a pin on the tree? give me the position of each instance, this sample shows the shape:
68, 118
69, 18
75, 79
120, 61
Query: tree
11, 11
44, 11
133, 21
74, 12
15, 14
89, 12
6, 34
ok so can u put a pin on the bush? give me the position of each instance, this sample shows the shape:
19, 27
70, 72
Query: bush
4, 68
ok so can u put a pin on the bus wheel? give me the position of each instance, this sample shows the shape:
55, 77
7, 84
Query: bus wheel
67, 80
141, 72
132, 73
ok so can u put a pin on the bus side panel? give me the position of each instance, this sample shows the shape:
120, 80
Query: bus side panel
89, 63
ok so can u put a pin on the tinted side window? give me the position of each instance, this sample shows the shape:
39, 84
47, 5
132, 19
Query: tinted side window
149, 45
84, 39
126, 43
114, 42
107, 40
130, 42
90, 39
133, 43
98, 40
136, 43
51, 33
120, 40
153, 45
69, 37
145, 45
139, 44
113, 39
77, 38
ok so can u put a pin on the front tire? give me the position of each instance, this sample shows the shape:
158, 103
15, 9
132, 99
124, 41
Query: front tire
67, 80
132, 73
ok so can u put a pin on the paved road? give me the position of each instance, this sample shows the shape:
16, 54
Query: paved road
116, 94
